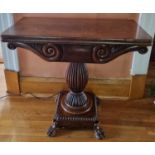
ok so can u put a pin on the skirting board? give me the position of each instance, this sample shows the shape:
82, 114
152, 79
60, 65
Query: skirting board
12, 81
113, 88
1, 61
137, 86
120, 88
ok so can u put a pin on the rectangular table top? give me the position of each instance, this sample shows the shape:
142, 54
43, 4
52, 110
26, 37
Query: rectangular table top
76, 30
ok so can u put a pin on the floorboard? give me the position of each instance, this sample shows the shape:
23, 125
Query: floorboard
25, 118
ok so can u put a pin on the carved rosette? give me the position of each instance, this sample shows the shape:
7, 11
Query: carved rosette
100, 53
51, 52
105, 53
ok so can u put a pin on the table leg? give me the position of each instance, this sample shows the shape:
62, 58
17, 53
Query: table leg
76, 108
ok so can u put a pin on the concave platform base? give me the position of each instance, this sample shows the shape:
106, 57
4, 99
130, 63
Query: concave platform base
86, 120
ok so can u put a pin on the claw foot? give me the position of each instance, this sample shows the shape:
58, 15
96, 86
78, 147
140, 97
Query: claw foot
52, 130
99, 134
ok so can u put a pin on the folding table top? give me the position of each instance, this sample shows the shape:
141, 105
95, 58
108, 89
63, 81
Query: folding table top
77, 30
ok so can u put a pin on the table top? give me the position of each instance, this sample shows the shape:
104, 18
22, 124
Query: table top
76, 30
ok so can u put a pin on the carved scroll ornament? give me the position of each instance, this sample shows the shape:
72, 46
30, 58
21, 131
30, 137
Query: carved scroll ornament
48, 51
102, 53
105, 53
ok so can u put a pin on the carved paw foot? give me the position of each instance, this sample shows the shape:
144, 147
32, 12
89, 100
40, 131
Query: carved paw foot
52, 130
99, 134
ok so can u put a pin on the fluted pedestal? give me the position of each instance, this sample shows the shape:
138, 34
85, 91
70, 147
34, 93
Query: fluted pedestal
76, 109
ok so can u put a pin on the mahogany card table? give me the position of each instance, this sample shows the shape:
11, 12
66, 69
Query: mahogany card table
77, 41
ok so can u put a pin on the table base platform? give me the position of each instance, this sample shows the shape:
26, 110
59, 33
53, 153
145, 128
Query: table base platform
71, 120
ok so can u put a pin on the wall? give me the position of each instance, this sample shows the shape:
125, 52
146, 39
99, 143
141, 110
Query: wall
10, 57
0, 41
118, 68
140, 62
0, 52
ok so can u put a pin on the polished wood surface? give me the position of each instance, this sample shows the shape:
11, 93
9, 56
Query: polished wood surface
27, 119
78, 42
77, 29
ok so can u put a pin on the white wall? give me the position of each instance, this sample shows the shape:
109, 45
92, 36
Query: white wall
10, 57
140, 62
0, 51
0, 42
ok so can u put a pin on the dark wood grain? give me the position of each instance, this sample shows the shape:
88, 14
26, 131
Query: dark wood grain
79, 41
152, 58
86, 30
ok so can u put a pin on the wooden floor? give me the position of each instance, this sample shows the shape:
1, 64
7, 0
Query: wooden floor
150, 79
27, 119
2, 81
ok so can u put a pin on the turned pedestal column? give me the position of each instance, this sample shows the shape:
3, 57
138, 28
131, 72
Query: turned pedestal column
76, 101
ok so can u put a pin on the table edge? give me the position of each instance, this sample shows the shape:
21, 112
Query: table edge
61, 40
